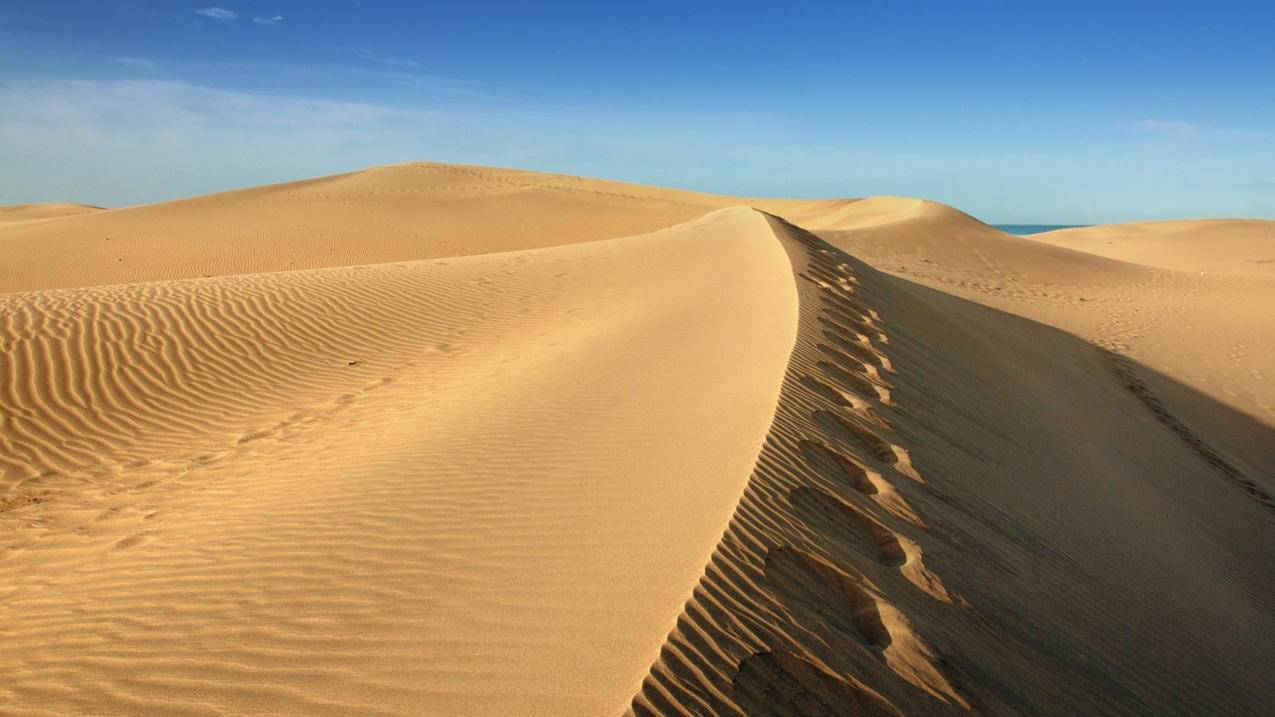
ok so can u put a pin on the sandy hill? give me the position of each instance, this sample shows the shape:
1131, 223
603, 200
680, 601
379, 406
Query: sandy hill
383, 214
1199, 315
1229, 246
451, 440
15, 213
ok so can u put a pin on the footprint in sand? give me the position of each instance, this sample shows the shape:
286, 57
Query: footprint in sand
880, 449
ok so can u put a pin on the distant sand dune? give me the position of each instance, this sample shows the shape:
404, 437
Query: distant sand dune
16, 213
384, 214
1185, 298
1232, 246
380, 215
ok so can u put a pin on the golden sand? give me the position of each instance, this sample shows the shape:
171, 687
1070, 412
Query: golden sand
433, 439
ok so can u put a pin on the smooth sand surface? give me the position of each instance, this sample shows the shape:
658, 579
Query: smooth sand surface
1230, 246
432, 439
16, 213
393, 213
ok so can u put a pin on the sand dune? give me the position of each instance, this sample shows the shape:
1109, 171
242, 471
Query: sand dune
351, 489
978, 541
1198, 315
452, 440
393, 213
16, 213
385, 214
1231, 246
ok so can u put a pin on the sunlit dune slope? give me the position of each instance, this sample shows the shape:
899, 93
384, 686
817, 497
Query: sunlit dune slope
394, 213
1231, 246
441, 487
391, 213
924, 236
16, 213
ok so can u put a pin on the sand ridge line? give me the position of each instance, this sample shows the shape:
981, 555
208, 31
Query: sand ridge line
795, 613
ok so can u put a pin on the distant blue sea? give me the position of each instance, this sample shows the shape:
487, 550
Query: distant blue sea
1021, 229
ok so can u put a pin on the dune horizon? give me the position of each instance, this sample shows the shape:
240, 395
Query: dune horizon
431, 438
54, 207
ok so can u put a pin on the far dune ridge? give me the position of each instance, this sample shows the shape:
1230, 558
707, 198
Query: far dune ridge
439, 439
394, 213
16, 213
1233, 246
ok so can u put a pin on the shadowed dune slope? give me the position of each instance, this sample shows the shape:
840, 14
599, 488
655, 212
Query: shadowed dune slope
1209, 331
928, 236
415, 488
960, 510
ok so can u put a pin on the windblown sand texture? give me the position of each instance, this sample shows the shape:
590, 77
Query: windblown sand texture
431, 439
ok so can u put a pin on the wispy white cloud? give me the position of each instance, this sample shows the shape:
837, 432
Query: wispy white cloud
273, 20
1173, 127
123, 141
217, 13
148, 140
137, 63
371, 57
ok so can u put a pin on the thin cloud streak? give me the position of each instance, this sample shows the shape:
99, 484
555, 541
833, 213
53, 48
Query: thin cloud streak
217, 13
369, 56
1168, 126
137, 63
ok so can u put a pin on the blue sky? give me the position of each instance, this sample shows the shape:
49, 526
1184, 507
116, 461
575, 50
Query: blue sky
1024, 112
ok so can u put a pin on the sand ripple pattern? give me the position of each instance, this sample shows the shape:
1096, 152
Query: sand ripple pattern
418, 488
91, 376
